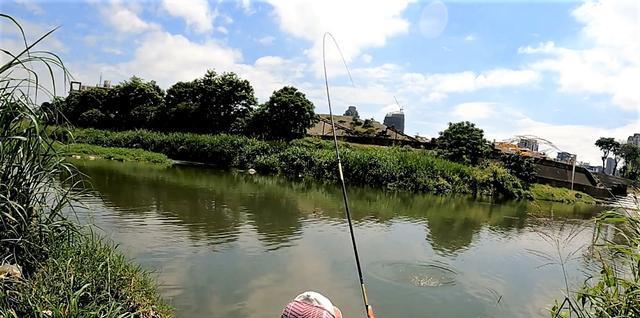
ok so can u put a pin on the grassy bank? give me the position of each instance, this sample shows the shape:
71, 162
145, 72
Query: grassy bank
47, 267
391, 168
548, 193
86, 151
83, 277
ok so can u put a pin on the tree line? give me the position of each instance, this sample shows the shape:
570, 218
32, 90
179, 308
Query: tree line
215, 103
627, 152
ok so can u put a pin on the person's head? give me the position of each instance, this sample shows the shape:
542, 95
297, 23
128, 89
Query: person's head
311, 305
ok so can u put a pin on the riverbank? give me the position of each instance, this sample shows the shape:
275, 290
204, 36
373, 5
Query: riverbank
543, 192
393, 168
84, 276
92, 152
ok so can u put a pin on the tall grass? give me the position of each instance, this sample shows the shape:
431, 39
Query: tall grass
31, 199
60, 271
615, 290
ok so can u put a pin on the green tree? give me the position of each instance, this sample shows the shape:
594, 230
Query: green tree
222, 101
463, 142
79, 102
215, 103
179, 111
607, 146
630, 153
286, 115
134, 103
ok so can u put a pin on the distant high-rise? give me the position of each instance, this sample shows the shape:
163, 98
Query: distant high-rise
608, 169
564, 156
395, 120
527, 143
634, 140
353, 112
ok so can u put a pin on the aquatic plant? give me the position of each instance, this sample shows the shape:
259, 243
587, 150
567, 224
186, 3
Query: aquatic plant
615, 290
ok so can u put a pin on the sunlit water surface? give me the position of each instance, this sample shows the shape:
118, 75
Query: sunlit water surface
226, 244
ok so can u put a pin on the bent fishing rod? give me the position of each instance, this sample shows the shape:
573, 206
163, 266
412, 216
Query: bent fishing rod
340, 174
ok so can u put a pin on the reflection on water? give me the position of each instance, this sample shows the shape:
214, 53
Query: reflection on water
231, 245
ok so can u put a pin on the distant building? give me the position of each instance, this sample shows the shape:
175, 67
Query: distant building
527, 143
595, 169
78, 87
609, 166
634, 140
395, 120
353, 112
565, 156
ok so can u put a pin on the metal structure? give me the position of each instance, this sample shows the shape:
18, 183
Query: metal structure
544, 147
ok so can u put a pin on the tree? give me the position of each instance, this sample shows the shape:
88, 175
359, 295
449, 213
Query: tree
79, 102
286, 115
134, 103
222, 101
463, 142
180, 107
606, 145
630, 153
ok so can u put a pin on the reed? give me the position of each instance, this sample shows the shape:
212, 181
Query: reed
56, 270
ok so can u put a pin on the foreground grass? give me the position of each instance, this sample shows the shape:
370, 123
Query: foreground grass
545, 192
393, 168
86, 151
84, 277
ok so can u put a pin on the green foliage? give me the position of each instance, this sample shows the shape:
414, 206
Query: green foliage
286, 115
630, 153
463, 142
543, 192
92, 118
61, 271
110, 153
392, 168
134, 103
31, 199
215, 103
519, 166
79, 102
84, 277
615, 291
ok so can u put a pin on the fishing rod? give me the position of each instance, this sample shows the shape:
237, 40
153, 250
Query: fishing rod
341, 175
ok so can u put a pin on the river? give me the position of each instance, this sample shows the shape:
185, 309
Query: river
225, 244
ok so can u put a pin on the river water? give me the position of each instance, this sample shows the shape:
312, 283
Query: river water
224, 244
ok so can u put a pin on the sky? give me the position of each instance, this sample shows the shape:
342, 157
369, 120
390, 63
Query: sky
568, 72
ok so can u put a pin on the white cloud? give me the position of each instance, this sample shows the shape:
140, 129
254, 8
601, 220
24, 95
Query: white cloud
31, 6
169, 58
112, 50
196, 13
355, 24
473, 111
366, 58
266, 40
503, 122
125, 18
470, 38
609, 64
441, 84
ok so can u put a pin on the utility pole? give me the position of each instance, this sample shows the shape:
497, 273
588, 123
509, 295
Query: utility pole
573, 171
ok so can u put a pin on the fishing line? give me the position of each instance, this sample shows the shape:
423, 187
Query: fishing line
341, 175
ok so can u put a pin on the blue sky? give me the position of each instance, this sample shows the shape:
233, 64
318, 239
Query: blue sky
564, 71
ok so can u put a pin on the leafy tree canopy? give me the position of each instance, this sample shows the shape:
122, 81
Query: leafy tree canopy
286, 115
463, 142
